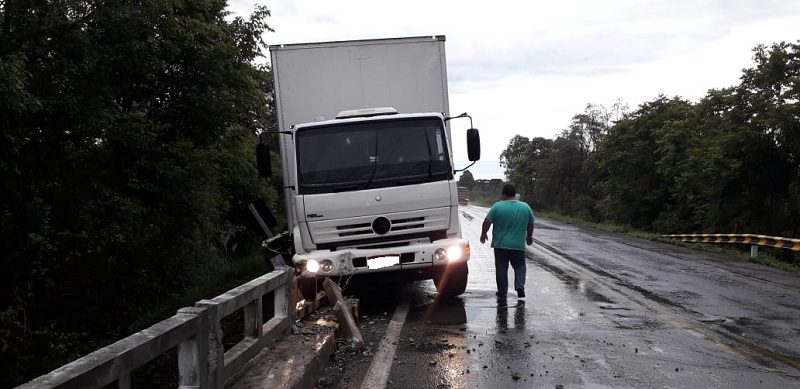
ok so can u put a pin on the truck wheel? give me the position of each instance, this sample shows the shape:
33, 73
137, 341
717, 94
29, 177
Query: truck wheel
453, 280
308, 287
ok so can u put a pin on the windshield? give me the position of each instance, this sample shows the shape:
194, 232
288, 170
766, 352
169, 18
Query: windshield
355, 156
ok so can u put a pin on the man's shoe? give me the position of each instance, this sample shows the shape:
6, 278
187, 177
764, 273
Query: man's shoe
521, 294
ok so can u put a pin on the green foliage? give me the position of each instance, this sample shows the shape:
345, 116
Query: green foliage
126, 158
486, 192
728, 163
632, 191
466, 180
512, 155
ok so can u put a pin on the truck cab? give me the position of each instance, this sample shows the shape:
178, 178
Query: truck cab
376, 194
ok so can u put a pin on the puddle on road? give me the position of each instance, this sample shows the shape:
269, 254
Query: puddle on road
612, 307
594, 296
575, 284
438, 310
519, 317
448, 312
738, 325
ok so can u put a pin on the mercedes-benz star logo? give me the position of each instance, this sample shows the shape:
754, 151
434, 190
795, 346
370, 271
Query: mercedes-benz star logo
381, 225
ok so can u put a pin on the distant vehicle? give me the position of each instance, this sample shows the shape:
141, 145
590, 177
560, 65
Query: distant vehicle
369, 191
463, 196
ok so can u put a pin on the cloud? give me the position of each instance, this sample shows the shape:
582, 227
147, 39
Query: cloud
605, 46
525, 67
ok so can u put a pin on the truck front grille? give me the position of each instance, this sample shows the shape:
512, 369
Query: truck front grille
406, 225
376, 243
343, 231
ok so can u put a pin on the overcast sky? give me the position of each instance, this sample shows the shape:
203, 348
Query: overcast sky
526, 67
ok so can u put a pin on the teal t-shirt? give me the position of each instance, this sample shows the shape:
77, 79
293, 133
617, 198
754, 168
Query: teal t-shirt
510, 220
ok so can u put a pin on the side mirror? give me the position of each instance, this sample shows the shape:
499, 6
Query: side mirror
473, 145
263, 161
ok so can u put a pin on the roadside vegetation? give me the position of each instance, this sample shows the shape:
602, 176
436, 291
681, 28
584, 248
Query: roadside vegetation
481, 192
728, 163
126, 161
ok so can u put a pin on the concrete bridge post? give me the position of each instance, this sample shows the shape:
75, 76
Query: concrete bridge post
253, 318
216, 351
193, 352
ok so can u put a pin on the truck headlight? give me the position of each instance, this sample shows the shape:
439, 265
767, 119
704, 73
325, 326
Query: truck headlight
326, 265
454, 253
312, 266
440, 255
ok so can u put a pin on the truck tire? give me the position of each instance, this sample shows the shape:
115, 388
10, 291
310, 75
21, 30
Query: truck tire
453, 280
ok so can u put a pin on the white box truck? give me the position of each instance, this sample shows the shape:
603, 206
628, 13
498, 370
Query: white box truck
367, 161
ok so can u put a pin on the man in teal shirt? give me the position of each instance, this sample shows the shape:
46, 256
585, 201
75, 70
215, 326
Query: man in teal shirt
513, 227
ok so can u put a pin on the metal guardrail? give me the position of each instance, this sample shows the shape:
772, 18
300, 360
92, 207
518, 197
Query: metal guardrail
753, 240
197, 332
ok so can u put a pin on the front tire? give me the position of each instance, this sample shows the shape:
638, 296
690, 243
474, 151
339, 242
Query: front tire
452, 281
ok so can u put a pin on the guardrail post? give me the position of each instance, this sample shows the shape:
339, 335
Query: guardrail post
753, 250
282, 301
253, 318
193, 353
216, 351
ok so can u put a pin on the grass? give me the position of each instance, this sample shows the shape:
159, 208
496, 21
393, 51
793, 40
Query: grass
762, 258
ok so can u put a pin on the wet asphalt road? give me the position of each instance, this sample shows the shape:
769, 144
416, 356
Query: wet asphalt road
603, 310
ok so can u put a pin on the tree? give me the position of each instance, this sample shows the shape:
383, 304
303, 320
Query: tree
511, 155
526, 174
589, 127
768, 96
466, 180
632, 191
126, 150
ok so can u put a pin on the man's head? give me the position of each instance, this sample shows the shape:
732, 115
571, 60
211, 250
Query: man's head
508, 192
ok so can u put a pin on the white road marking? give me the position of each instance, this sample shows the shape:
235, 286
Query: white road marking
378, 373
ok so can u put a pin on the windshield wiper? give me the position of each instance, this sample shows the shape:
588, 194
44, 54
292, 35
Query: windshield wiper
430, 154
375, 166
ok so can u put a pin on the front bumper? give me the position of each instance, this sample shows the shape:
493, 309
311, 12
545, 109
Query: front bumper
344, 262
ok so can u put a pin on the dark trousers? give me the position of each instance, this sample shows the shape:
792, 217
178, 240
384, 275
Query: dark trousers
501, 259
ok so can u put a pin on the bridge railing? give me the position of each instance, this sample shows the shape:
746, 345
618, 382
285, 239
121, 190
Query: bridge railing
752, 239
197, 333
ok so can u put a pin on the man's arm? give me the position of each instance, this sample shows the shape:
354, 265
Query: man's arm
484, 229
530, 234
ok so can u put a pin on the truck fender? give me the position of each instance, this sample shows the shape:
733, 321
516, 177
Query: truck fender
298, 241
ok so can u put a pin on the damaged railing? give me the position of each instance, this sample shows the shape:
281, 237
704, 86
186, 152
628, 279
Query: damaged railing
197, 333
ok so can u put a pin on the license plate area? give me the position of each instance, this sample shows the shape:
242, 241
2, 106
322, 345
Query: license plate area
383, 261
